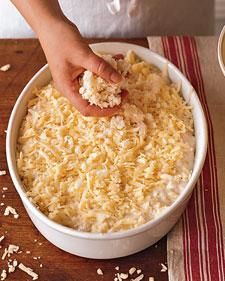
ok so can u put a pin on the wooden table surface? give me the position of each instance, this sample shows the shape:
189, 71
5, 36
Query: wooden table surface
26, 57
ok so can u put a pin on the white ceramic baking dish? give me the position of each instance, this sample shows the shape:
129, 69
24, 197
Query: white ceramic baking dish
118, 244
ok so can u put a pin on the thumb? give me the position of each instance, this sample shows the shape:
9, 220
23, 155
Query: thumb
101, 68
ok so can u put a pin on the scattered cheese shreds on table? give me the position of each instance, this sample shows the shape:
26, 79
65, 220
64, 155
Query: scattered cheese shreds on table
114, 173
99, 271
28, 270
2, 173
12, 266
124, 276
5, 67
132, 270
139, 278
164, 268
2, 238
10, 210
10, 250
3, 275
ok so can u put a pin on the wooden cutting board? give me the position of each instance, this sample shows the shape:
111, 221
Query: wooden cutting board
52, 264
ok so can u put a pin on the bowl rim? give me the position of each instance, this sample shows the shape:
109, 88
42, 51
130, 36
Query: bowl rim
219, 50
111, 235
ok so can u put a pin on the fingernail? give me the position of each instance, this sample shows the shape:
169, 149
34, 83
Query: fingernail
115, 77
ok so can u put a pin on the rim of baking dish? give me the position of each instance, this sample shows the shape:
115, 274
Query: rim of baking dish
110, 235
219, 51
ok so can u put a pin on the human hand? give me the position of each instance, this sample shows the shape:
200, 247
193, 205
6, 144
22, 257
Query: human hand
68, 56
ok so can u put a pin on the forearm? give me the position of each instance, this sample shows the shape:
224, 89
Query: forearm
40, 13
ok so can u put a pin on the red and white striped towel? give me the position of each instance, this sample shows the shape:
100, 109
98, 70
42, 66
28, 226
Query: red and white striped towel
195, 247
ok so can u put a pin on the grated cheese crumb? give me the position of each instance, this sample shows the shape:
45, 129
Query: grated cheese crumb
99, 271
5, 188
12, 266
132, 270
118, 277
10, 250
117, 268
28, 270
2, 238
123, 276
10, 210
4, 254
151, 279
164, 268
139, 278
138, 271
3, 275
5, 67
2, 173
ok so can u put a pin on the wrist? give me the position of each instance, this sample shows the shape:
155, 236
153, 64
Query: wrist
50, 22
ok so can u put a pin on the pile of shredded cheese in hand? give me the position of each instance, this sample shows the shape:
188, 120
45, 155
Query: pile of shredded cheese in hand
114, 173
100, 92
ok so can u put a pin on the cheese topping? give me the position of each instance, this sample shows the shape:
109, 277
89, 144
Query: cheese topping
114, 173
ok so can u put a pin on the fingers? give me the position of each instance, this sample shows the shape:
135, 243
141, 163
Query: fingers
101, 68
96, 111
124, 94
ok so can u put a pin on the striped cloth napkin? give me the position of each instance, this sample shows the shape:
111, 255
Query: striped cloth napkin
195, 246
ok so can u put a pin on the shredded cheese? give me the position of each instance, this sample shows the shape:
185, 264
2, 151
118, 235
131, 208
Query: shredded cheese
2, 238
3, 275
132, 270
164, 268
29, 271
5, 67
123, 276
2, 173
10, 210
114, 173
10, 250
99, 271
139, 278
12, 266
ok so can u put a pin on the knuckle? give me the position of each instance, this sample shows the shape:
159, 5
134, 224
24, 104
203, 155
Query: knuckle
101, 66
